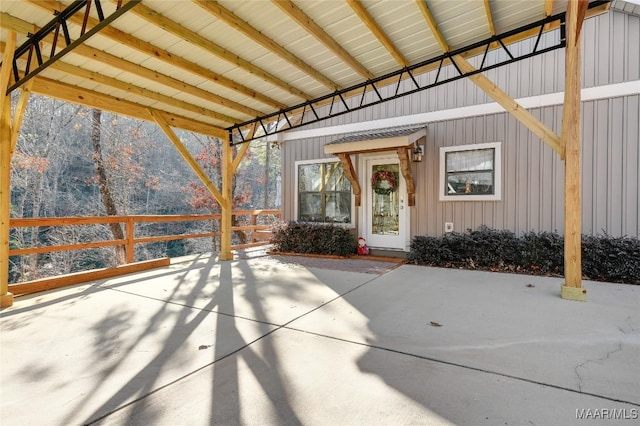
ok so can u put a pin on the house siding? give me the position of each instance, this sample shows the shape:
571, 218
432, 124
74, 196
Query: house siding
533, 175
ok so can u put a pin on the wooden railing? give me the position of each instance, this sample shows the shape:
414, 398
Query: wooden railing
257, 235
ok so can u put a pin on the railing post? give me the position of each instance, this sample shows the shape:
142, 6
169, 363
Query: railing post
254, 222
129, 248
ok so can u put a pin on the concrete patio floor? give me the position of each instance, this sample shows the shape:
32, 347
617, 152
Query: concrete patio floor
272, 340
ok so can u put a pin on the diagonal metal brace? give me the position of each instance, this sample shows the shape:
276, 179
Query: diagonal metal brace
52, 28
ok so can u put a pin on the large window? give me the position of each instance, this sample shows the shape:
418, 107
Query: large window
324, 193
470, 172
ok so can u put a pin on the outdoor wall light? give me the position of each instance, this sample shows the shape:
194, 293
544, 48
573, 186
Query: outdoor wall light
417, 153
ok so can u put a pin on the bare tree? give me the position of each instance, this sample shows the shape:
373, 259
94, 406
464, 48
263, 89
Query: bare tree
103, 184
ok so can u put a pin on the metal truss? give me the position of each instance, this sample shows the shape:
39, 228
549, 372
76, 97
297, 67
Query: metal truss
369, 93
52, 29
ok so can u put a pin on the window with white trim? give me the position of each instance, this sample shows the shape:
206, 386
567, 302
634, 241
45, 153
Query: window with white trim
324, 193
471, 172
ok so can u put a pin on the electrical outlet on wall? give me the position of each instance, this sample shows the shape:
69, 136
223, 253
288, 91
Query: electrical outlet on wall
448, 227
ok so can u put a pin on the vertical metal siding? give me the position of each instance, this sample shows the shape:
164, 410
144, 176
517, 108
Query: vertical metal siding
533, 175
533, 197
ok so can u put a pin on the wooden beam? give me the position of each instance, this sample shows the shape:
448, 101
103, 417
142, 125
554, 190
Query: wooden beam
80, 96
373, 26
583, 6
309, 25
87, 276
196, 39
199, 171
548, 8
350, 173
164, 55
7, 59
244, 27
511, 106
6, 297
426, 13
487, 9
243, 150
227, 193
149, 74
130, 88
405, 169
25, 91
571, 125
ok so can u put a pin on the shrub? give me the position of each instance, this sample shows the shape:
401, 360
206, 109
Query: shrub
313, 238
542, 253
611, 259
604, 258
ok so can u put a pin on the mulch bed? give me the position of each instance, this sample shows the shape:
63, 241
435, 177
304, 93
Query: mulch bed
364, 264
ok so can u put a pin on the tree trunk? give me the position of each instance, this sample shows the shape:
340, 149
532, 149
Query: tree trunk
103, 184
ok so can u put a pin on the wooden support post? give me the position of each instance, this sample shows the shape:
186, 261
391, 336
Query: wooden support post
571, 125
227, 194
6, 297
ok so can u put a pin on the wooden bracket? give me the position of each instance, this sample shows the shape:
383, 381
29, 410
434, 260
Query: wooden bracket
405, 169
164, 125
350, 173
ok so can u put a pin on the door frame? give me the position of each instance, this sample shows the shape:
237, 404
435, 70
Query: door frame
364, 217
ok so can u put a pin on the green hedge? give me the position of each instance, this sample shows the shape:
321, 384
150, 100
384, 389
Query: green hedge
313, 238
604, 258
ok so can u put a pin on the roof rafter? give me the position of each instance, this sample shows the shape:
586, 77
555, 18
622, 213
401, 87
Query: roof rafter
164, 55
309, 25
548, 7
244, 27
487, 9
422, 4
121, 85
16, 24
67, 92
373, 26
196, 39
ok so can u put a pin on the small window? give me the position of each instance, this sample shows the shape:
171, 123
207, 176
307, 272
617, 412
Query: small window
324, 193
471, 172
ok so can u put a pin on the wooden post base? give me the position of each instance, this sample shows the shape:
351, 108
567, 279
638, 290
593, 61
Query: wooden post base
573, 293
225, 256
6, 300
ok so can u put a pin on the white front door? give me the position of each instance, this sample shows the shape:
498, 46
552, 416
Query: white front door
385, 214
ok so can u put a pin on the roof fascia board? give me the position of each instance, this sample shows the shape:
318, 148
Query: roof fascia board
368, 145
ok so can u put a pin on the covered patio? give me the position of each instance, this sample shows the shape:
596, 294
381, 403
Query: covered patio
240, 71
286, 340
